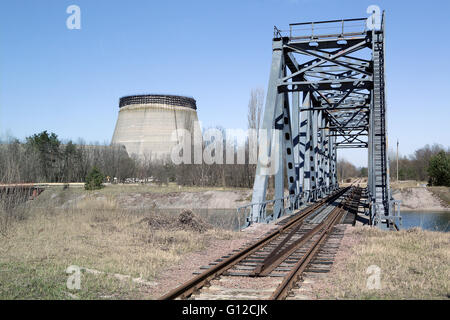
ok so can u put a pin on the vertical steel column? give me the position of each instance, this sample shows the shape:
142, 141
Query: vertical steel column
288, 147
326, 165
314, 151
324, 155
370, 180
320, 176
279, 174
333, 160
284, 122
304, 143
379, 137
296, 138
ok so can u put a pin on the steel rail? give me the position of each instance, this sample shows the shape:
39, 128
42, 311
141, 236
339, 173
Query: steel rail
275, 259
288, 282
277, 255
199, 281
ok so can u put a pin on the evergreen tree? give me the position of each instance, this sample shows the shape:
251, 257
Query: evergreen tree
47, 148
439, 169
94, 179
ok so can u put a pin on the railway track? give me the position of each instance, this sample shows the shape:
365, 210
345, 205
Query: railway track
271, 267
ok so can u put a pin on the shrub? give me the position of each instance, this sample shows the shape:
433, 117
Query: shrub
94, 180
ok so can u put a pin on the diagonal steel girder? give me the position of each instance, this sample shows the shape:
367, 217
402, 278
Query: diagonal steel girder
333, 58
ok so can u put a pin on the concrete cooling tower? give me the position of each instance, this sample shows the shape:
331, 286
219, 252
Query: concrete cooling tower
146, 122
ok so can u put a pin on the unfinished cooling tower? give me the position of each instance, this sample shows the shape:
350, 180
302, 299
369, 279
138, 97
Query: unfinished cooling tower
146, 123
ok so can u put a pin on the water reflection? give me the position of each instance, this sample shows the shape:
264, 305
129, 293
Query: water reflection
434, 221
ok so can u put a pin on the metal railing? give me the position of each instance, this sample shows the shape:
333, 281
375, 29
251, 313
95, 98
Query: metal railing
287, 204
396, 217
265, 207
323, 29
277, 33
394, 220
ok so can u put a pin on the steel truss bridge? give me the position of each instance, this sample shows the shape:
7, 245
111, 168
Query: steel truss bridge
326, 92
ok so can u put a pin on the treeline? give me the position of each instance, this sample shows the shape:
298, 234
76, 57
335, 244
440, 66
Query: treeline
429, 163
44, 158
346, 170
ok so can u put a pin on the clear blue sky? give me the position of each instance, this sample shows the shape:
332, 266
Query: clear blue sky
69, 81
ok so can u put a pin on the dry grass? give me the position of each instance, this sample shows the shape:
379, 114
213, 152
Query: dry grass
113, 189
96, 203
415, 264
94, 234
443, 193
406, 184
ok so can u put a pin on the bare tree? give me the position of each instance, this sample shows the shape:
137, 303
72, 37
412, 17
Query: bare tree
346, 169
254, 115
255, 107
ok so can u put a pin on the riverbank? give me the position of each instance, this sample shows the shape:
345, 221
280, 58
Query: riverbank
443, 193
139, 196
415, 196
422, 198
411, 264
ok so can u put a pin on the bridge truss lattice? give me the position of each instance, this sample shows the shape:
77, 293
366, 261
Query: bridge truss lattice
326, 92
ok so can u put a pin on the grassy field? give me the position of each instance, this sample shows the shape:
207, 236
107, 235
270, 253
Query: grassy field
414, 264
36, 249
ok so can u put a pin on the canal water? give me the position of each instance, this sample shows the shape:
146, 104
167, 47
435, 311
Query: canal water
427, 220
229, 219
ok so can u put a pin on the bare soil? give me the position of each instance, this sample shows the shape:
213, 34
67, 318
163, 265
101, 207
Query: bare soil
419, 198
145, 197
187, 221
191, 200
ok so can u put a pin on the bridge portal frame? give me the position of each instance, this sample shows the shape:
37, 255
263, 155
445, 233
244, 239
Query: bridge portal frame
325, 92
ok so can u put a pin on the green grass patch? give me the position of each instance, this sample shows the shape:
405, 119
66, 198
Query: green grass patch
47, 281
